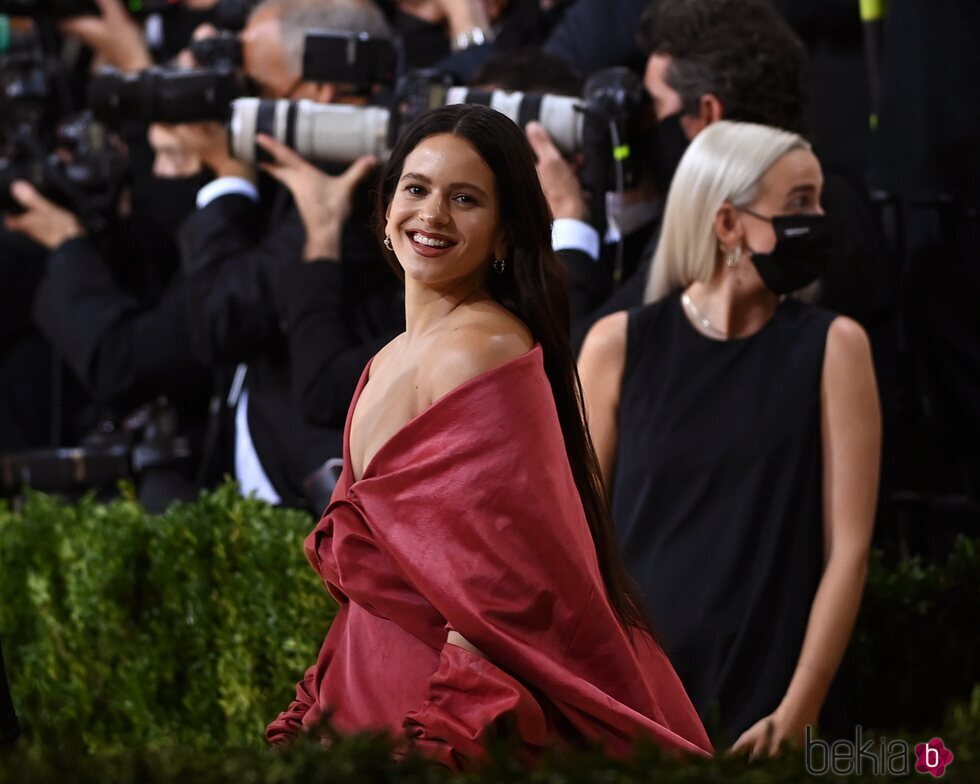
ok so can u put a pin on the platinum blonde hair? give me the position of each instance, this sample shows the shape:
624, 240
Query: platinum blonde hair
724, 163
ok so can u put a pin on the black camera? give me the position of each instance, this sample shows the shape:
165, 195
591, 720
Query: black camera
145, 441
349, 58
83, 174
68, 158
221, 49
166, 95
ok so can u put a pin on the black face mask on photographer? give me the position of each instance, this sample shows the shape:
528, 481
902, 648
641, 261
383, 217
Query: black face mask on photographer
801, 254
667, 145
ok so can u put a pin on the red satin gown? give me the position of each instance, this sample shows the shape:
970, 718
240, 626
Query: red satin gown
468, 518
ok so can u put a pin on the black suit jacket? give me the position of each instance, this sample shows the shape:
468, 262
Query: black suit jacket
305, 330
124, 350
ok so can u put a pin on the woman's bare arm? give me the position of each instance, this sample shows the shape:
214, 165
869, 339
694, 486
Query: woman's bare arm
851, 438
600, 366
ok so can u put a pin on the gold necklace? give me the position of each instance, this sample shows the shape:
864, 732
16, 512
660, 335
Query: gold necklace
700, 317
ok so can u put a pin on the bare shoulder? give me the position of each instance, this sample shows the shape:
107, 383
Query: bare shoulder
389, 349
605, 343
480, 342
848, 346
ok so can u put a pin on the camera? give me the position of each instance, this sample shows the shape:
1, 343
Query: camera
145, 441
221, 49
166, 95
67, 157
84, 174
341, 133
349, 58
606, 122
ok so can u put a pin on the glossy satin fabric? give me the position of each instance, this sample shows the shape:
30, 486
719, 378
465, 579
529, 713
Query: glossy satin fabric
468, 518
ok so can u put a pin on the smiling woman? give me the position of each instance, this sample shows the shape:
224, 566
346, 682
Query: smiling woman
468, 541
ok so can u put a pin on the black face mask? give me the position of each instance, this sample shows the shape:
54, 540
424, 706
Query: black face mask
668, 144
801, 255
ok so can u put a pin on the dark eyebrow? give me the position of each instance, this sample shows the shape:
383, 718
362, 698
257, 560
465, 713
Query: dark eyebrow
453, 185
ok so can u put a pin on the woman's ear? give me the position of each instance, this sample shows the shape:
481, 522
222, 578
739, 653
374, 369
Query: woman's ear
728, 226
501, 247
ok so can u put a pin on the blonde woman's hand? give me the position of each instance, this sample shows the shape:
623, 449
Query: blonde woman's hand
767, 736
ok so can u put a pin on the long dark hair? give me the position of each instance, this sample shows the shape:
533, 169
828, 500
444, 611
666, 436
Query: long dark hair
533, 288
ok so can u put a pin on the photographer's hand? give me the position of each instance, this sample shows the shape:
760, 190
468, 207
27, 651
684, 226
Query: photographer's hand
558, 179
324, 202
44, 222
209, 142
114, 35
458, 15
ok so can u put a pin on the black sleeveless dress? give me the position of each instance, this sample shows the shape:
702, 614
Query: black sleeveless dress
717, 499
9, 729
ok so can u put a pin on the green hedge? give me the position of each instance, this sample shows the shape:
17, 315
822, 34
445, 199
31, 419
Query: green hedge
122, 628
155, 649
916, 647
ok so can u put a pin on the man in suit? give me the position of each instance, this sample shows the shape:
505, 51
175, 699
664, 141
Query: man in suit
256, 278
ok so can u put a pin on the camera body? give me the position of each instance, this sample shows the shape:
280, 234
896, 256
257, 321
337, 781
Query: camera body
147, 440
68, 158
223, 49
349, 58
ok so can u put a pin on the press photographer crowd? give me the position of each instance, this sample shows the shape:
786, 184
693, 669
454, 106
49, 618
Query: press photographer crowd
194, 276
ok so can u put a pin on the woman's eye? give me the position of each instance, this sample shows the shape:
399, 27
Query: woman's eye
465, 198
414, 190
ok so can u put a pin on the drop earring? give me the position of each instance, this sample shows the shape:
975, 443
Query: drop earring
388, 242
499, 265
733, 256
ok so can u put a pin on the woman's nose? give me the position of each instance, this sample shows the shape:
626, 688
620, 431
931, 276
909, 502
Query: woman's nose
434, 210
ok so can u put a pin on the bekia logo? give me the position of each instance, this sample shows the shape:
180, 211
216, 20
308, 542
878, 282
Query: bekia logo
877, 756
932, 757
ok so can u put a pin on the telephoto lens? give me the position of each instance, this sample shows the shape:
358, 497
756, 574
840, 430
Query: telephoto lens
166, 95
563, 117
317, 131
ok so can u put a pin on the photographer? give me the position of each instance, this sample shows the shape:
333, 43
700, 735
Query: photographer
97, 234
251, 295
111, 304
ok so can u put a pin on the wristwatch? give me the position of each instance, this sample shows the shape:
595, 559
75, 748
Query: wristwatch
475, 36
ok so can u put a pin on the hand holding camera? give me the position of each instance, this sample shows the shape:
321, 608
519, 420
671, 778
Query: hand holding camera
43, 221
323, 201
209, 142
114, 35
558, 177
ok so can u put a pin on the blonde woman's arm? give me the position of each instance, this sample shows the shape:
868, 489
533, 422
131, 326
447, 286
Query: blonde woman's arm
600, 366
851, 438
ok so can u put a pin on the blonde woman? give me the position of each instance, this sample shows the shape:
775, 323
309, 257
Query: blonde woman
739, 434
